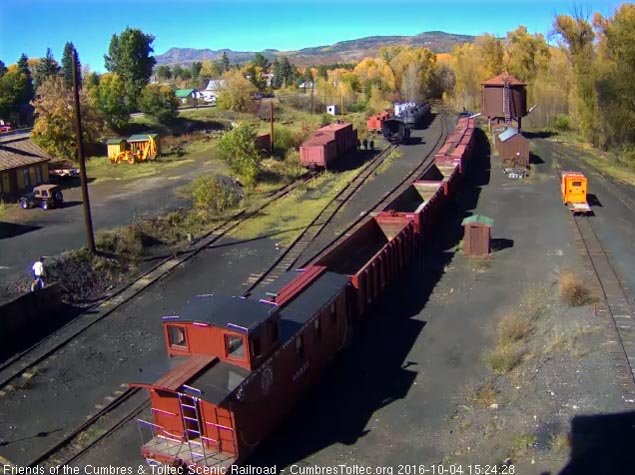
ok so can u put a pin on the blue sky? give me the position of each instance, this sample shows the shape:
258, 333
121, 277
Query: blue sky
30, 26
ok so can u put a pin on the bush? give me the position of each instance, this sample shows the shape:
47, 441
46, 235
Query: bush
285, 139
124, 241
627, 156
215, 193
503, 359
160, 102
512, 328
573, 290
238, 148
561, 122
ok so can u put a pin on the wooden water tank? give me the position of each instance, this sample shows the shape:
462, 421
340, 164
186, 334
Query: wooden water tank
492, 97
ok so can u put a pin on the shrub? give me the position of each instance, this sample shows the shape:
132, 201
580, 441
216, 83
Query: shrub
238, 148
573, 290
513, 328
214, 193
561, 122
124, 241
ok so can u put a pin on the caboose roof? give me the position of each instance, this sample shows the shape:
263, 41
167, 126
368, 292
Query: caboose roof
308, 302
237, 313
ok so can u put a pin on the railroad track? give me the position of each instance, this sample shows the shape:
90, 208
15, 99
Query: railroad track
128, 405
292, 253
390, 194
25, 361
615, 303
96, 428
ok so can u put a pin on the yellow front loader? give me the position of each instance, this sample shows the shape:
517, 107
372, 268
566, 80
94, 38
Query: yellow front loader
148, 152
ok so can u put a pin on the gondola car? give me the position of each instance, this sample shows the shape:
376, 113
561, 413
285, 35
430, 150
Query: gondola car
236, 366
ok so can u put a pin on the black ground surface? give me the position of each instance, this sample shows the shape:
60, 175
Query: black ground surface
113, 351
388, 399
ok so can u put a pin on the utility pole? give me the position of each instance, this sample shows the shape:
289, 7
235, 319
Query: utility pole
88, 220
271, 122
312, 91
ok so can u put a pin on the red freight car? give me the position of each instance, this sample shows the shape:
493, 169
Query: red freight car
214, 403
375, 122
374, 255
423, 201
236, 366
320, 151
344, 135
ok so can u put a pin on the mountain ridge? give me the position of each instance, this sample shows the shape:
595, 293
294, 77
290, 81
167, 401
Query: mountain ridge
339, 52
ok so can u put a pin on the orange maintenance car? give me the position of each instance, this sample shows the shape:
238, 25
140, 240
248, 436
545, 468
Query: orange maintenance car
574, 190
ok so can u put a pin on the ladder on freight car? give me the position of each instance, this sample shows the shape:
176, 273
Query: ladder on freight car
506, 103
190, 416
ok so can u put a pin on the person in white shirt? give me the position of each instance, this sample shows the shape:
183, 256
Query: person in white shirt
38, 273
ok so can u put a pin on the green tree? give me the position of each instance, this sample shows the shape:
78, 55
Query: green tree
109, 96
237, 93
276, 82
27, 93
3, 68
261, 62
164, 72
196, 69
224, 62
177, 72
615, 87
54, 128
46, 68
13, 85
129, 55
159, 102
238, 148
67, 66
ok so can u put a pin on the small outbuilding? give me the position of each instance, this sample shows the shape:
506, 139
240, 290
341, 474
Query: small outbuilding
115, 146
186, 96
140, 141
477, 238
513, 148
333, 109
23, 165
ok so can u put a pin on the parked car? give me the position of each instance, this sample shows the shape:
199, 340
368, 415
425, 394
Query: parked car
44, 196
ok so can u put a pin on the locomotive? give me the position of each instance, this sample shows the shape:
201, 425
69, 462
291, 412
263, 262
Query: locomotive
408, 115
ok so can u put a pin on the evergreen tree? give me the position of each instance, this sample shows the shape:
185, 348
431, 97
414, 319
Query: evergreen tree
164, 72
224, 61
261, 62
276, 82
46, 68
3, 68
196, 69
67, 66
129, 57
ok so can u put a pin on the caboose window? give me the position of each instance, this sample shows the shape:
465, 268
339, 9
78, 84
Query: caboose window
255, 347
577, 183
177, 336
234, 346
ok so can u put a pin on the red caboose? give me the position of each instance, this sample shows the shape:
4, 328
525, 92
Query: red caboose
236, 366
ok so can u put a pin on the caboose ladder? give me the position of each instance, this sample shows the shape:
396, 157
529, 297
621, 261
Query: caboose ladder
192, 426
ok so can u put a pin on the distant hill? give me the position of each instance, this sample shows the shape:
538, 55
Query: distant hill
341, 52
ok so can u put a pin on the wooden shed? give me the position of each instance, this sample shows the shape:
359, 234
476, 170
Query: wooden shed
115, 146
477, 237
513, 148
139, 142
263, 142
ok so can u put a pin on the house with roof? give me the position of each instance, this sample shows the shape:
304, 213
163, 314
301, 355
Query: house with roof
186, 96
210, 93
23, 165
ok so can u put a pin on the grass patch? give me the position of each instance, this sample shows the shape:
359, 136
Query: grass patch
101, 169
573, 289
567, 338
480, 265
123, 241
6, 207
560, 444
483, 395
290, 215
523, 445
392, 156
505, 358
512, 328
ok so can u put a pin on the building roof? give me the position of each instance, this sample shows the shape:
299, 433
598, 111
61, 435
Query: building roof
115, 141
508, 134
20, 152
500, 80
142, 137
478, 218
227, 312
183, 93
216, 84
